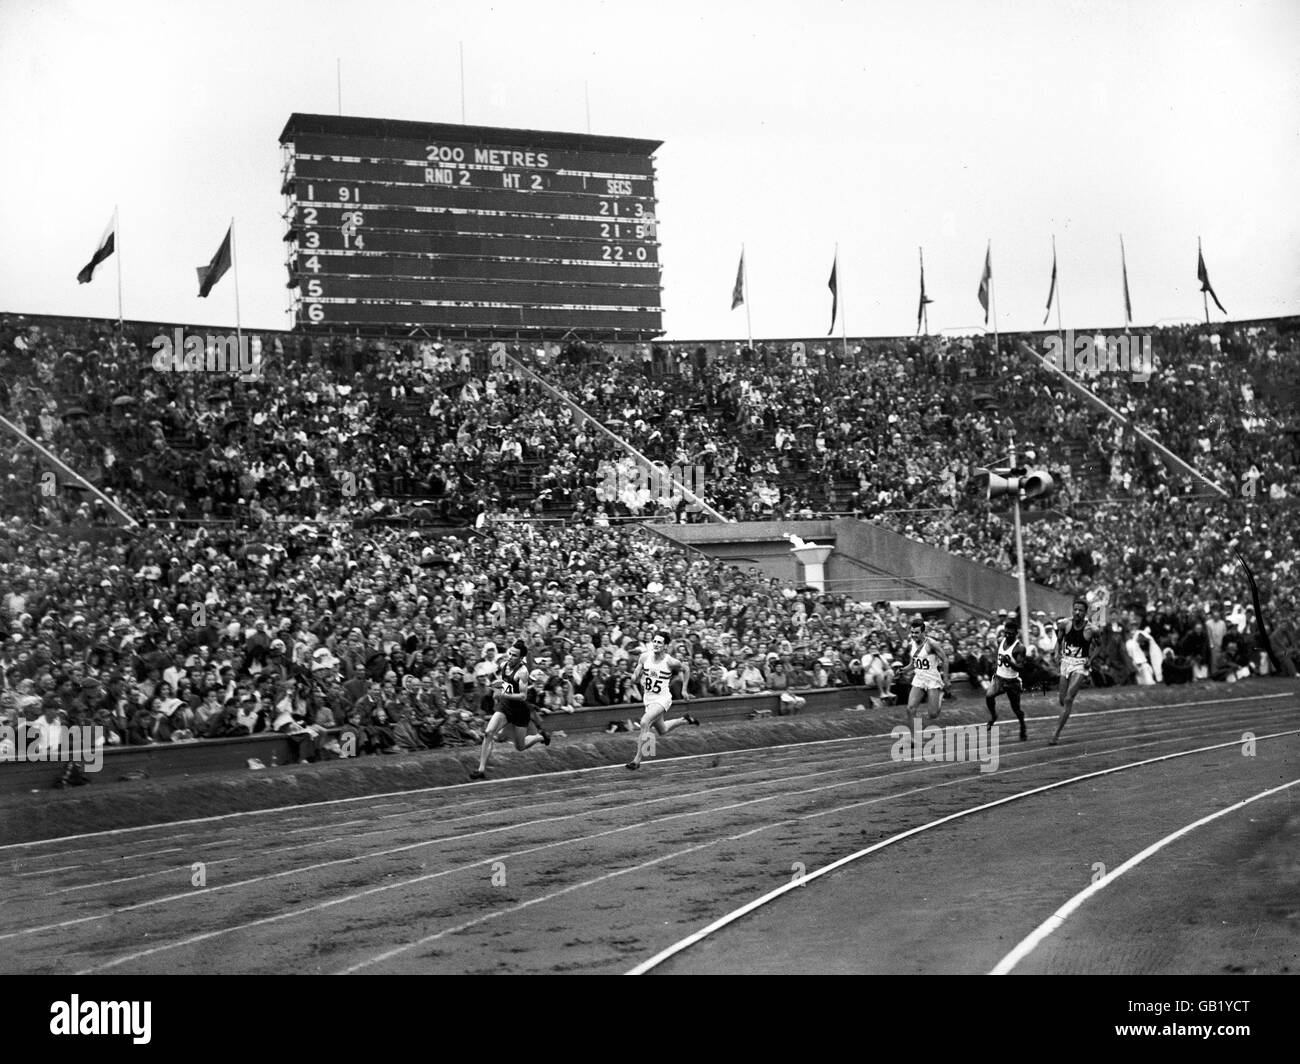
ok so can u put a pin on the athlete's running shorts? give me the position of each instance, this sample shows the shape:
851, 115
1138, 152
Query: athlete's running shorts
1070, 666
517, 710
657, 708
928, 683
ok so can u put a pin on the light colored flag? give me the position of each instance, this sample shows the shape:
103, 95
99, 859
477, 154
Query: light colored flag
106, 246
986, 279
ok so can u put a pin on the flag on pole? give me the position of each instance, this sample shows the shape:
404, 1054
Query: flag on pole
1265, 643
738, 292
1123, 267
920, 307
834, 285
210, 274
986, 279
103, 250
1051, 291
1203, 276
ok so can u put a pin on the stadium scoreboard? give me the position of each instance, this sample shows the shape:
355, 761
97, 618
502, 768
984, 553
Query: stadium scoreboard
471, 230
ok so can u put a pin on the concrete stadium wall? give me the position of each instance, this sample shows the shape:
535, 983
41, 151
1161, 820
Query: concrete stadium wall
869, 563
967, 584
225, 755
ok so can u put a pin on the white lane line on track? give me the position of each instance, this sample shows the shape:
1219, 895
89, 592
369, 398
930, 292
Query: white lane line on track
390, 954
614, 831
568, 773
149, 853
707, 792
327, 827
493, 805
803, 881
617, 808
174, 870
1043, 930
496, 807
46, 871
352, 859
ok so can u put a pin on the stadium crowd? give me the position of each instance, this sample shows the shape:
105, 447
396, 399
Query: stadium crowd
285, 581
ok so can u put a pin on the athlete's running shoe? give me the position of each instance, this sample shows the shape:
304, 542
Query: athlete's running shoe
691, 720
477, 775
633, 765
546, 736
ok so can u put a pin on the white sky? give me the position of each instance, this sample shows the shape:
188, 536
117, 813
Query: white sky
788, 126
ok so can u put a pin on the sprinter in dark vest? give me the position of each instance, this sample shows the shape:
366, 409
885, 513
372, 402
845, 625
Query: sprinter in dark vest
1076, 638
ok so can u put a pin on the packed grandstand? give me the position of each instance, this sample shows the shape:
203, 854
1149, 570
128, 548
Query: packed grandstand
352, 539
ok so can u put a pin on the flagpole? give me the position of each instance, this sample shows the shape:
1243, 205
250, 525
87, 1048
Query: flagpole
234, 266
117, 247
744, 282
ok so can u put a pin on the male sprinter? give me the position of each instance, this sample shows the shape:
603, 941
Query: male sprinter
1076, 647
654, 670
1006, 677
511, 707
928, 658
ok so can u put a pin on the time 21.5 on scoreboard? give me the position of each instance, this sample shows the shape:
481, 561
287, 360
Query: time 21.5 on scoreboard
470, 230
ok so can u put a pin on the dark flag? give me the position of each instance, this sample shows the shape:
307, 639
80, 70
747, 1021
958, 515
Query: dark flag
738, 292
210, 274
103, 250
986, 279
1203, 276
920, 307
834, 286
1051, 291
1123, 268
1264, 643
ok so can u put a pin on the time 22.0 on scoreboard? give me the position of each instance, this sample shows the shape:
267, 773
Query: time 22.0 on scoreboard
471, 229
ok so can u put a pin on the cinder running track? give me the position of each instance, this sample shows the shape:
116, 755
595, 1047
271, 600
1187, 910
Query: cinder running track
603, 870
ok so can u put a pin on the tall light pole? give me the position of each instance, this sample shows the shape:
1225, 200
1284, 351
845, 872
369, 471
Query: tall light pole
1017, 482
1020, 560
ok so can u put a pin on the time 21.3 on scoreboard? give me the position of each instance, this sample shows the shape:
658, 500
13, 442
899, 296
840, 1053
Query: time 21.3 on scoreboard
470, 230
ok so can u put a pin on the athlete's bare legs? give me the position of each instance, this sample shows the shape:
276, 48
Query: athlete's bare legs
1069, 692
933, 698
521, 738
654, 718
